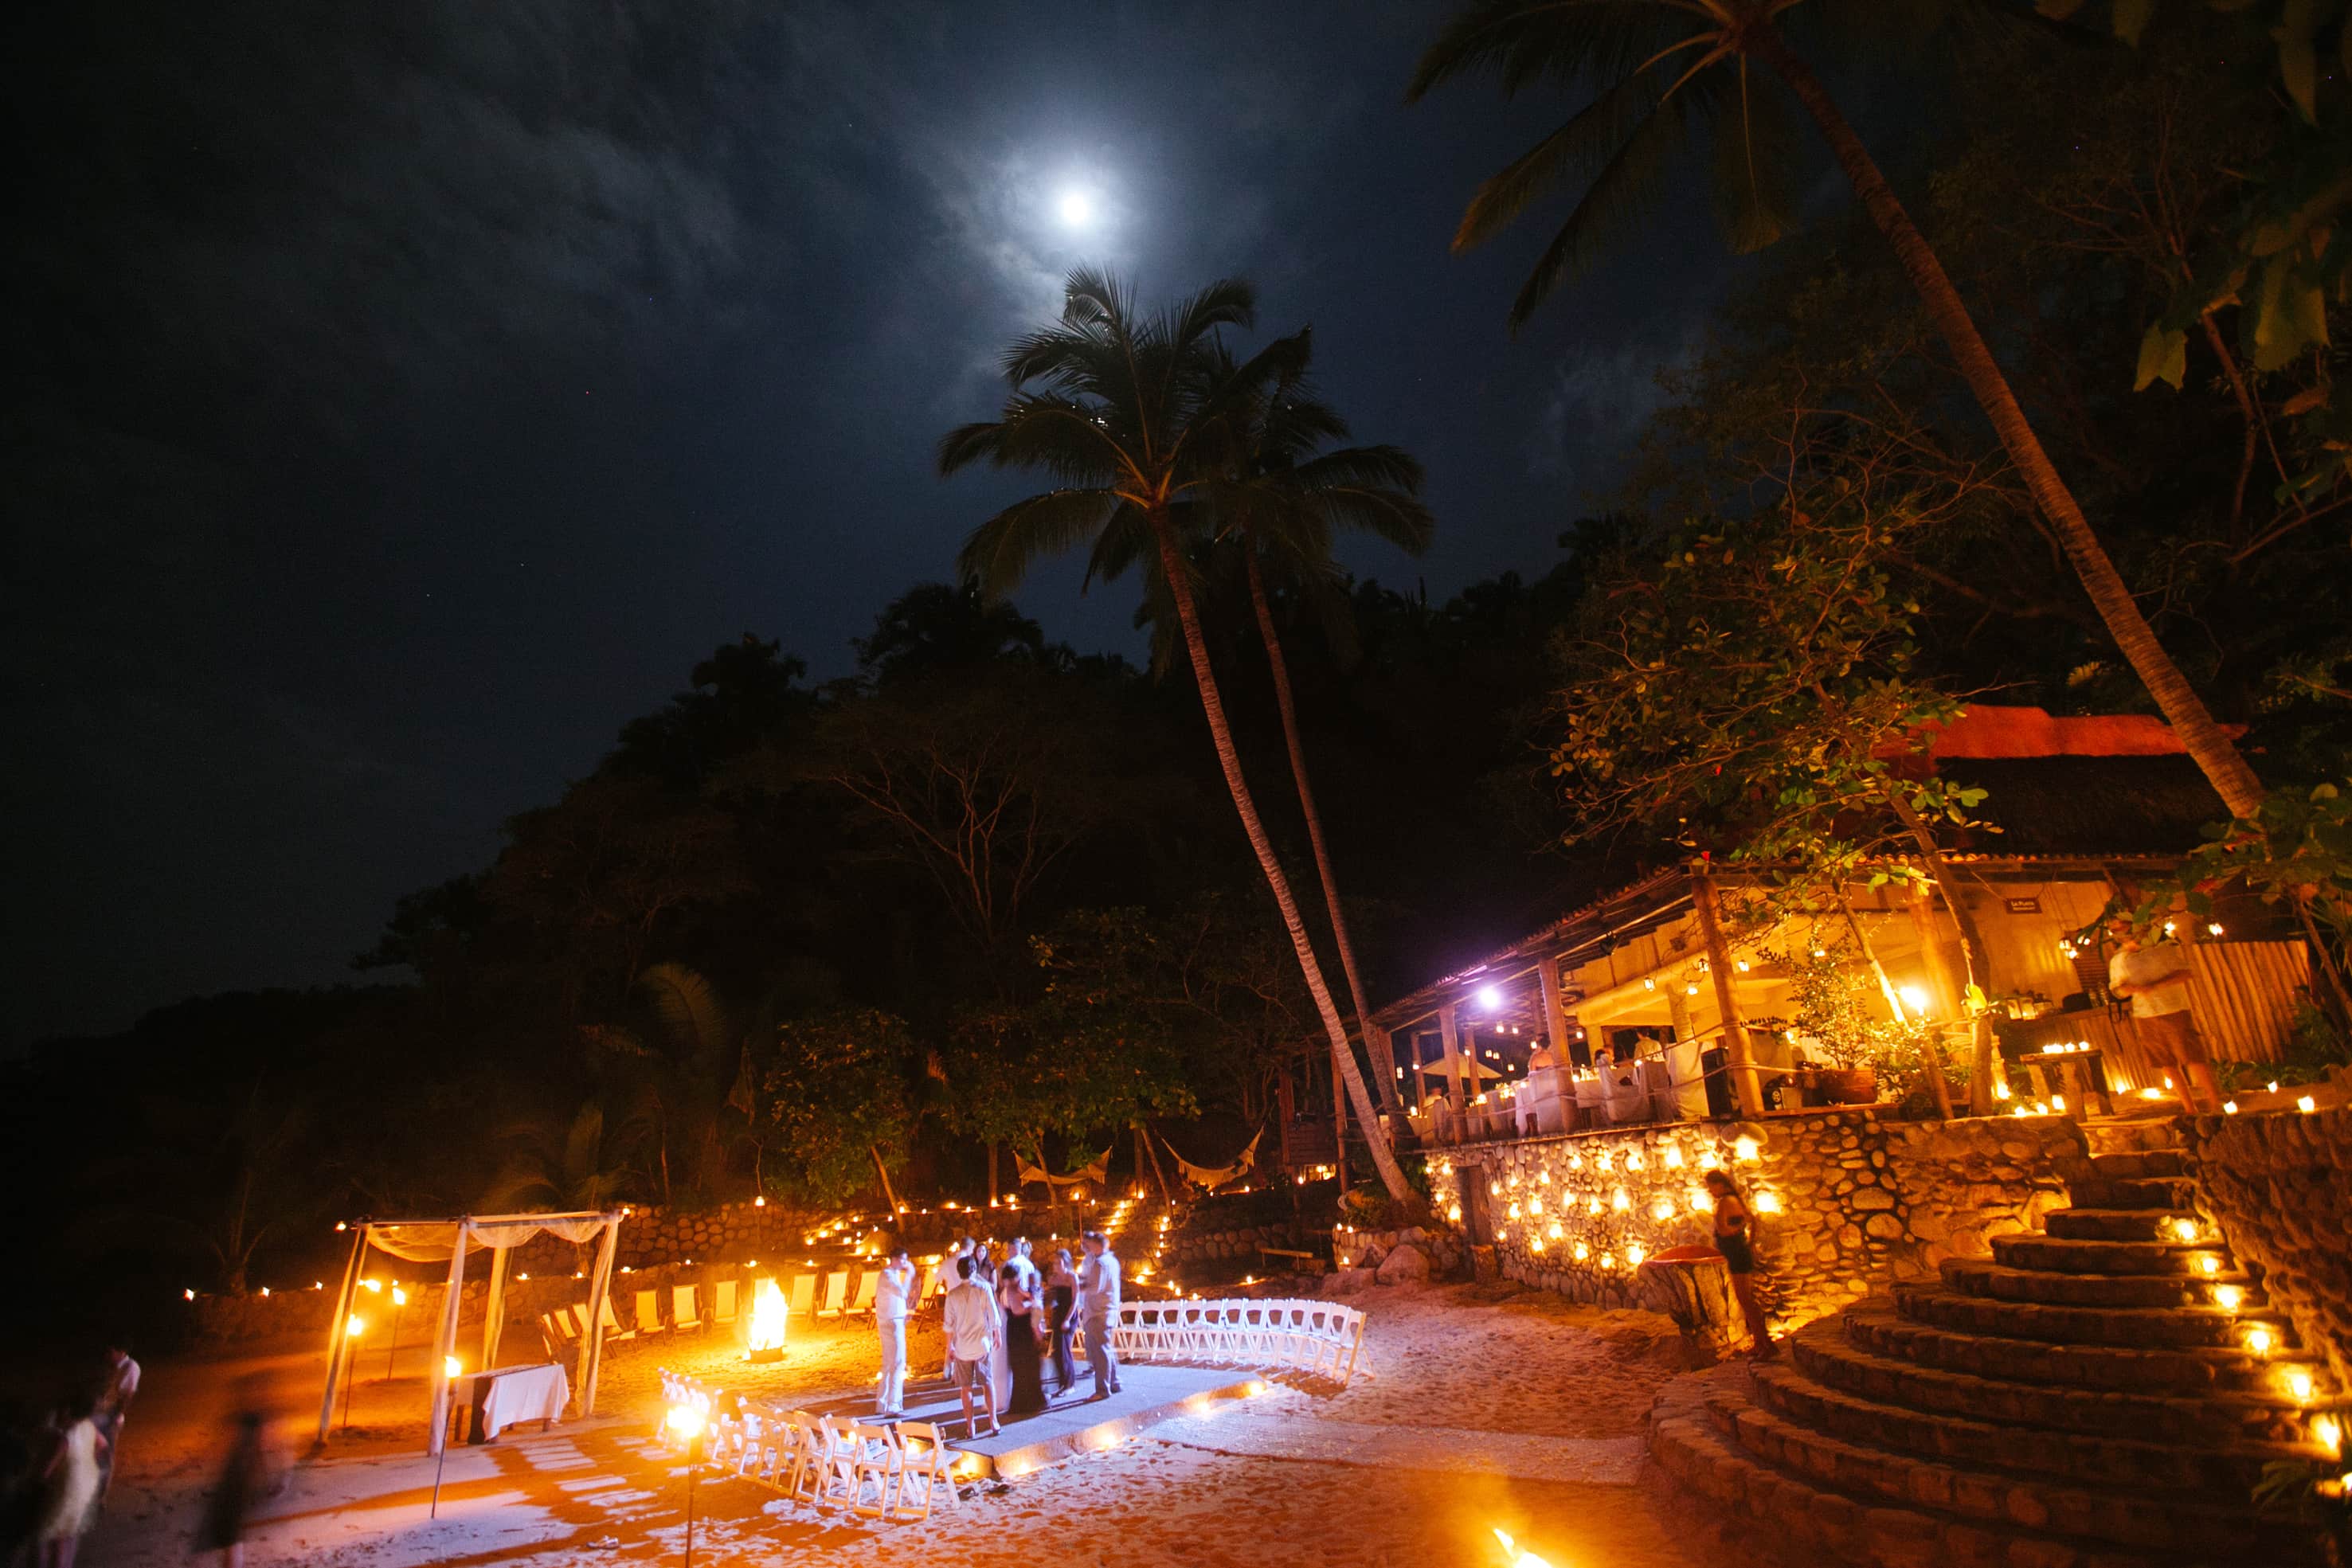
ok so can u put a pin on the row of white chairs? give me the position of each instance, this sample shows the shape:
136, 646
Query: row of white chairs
1321, 1339
896, 1471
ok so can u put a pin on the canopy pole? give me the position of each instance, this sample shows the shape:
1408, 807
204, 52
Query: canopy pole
1449, 1038
591, 1337
335, 1330
494, 1312
445, 1341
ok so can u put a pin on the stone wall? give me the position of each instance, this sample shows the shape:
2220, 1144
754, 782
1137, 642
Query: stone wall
2280, 1188
1355, 1249
1846, 1202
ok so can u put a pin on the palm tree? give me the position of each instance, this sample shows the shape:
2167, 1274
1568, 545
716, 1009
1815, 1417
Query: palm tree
1666, 67
1283, 511
1133, 417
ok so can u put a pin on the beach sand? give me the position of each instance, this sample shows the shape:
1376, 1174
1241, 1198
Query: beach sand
1443, 1365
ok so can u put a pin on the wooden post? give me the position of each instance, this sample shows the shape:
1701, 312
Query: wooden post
591, 1341
1449, 1039
494, 1309
445, 1343
991, 1173
1555, 1006
1742, 1060
335, 1330
1941, 980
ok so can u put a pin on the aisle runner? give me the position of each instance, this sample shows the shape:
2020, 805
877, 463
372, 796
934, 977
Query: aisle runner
1592, 1461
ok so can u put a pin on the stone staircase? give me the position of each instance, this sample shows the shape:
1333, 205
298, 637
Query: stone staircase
2100, 1395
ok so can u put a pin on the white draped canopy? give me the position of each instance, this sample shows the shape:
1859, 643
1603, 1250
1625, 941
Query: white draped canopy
446, 1241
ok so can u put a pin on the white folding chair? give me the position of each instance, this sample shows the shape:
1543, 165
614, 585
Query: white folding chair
808, 1458
837, 1462
830, 1299
878, 1461
803, 1301
649, 1312
926, 1470
723, 1301
683, 1311
609, 1322
869, 1281
925, 1284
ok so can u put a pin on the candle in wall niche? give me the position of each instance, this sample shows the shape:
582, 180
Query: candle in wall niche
1673, 1157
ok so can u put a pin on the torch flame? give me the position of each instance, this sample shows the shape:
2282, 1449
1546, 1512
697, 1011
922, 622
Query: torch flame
769, 1316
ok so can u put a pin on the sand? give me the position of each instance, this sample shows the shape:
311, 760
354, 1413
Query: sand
1389, 1483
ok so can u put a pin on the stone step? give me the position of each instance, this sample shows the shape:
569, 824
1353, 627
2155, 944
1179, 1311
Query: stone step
2095, 1191
2223, 1472
1807, 1518
2141, 1163
2125, 1137
2208, 1328
2172, 1370
2064, 1255
2084, 1223
1827, 1352
2180, 1527
1976, 1277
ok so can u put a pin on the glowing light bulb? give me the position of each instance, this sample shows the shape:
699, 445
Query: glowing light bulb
2328, 1434
2299, 1385
2229, 1298
2259, 1341
1619, 1200
451, 1366
2306, 1105
355, 1325
2184, 1229
1673, 1157
1744, 1149
1581, 1251
1766, 1203
2229, 1107
2208, 1265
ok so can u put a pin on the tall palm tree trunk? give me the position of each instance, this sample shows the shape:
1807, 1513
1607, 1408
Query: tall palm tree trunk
1280, 668
2231, 776
1188, 617
1974, 955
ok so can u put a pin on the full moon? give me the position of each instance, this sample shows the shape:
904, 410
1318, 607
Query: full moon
1077, 208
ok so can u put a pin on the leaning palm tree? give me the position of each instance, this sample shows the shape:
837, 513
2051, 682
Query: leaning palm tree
1134, 416
1666, 70
1281, 510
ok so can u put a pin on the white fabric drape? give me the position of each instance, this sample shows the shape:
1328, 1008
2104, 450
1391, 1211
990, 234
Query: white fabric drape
431, 1241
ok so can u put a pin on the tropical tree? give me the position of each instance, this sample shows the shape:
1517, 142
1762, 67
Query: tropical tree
1666, 68
1277, 516
1135, 416
584, 1163
837, 1099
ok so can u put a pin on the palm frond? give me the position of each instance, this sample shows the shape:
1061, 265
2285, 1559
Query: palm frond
1000, 551
1561, 41
1755, 152
1580, 146
696, 1021
1622, 193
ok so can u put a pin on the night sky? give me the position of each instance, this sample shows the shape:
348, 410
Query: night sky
406, 395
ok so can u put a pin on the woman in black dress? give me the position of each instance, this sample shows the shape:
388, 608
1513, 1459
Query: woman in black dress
1735, 1237
1020, 1321
1061, 1296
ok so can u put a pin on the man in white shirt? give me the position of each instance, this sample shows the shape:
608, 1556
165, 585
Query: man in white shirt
1098, 1308
969, 1316
893, 1298
114, 1405
1018, 1256
2154, 977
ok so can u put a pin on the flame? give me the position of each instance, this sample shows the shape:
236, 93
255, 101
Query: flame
1511, 1550
769, 1317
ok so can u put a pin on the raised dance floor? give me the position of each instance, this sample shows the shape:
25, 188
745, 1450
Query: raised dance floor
1147, 1394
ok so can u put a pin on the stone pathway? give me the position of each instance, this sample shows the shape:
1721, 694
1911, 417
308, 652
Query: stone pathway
1590, 1461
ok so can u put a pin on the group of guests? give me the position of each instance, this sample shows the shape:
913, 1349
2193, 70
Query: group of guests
61, 1465
1005, 1322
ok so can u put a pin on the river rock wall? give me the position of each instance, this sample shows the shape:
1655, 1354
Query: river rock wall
2280, 1188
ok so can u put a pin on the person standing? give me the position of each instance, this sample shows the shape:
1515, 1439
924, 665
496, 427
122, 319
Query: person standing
69, 1485
243, 1478
1735, 1237
970, 1318
1098, 1308
1027, 1393
1018, 1256
1061, 1302
893, 1300
2154, 977
114, 1397
952, 1266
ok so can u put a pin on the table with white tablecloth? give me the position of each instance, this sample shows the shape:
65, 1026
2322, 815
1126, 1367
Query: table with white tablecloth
505, 1395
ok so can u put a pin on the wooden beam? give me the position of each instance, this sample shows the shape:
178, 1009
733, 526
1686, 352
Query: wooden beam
1449, 1036
494, 1311
335, 1330
591, 1339
445, 1343
1746, 1088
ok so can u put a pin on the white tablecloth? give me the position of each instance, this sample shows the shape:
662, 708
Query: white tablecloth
523, 1393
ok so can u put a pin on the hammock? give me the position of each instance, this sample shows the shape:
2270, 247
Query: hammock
1207, 1177
1097, 1172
